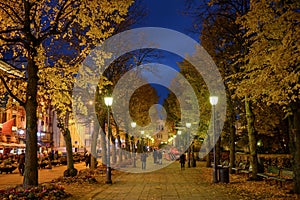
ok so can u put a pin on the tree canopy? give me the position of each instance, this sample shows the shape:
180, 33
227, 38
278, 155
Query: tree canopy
47, 39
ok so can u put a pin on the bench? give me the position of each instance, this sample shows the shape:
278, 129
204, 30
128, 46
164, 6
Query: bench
246, 171
243, 168
277, 174
286, 175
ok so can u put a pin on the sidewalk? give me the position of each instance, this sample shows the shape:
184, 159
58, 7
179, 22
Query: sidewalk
166, 184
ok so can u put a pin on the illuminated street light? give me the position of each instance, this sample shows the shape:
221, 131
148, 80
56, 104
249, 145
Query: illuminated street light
108, 102
213, 101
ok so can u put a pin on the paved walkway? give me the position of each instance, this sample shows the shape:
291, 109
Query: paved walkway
45, 175
169, 183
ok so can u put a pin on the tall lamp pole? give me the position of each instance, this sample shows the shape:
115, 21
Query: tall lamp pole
108, 102
213, 101
188, 125
133, 125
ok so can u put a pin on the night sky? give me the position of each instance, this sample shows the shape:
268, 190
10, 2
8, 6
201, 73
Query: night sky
167, 14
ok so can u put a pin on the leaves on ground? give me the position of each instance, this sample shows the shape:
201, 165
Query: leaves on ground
240, 185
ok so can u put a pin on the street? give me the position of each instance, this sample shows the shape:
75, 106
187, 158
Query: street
45, 175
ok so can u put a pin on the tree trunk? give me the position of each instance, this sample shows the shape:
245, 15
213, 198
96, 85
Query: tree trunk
127, 147
103, 145
193, 155
232, 148
252, 138
294, 126
70, 161
208, 160
231, 122
139, 146
94, 145
31, 162
114, 153
63, 123
119, 145
218, 151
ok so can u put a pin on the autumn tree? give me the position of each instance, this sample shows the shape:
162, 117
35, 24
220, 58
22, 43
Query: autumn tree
271, 66
222, 39
109, 79
29, 32
201, 91
129, 63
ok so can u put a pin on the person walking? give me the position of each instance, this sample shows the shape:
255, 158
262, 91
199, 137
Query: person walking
144, 160
21, 162
87, 158
155, 156
182, 161
159, 157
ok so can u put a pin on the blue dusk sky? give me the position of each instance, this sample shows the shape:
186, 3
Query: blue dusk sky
167, 14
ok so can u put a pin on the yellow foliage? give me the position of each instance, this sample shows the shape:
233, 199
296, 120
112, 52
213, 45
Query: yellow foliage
32, 29
273, 58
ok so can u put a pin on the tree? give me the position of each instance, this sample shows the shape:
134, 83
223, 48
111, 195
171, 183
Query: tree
271, 66
182, 101
222, 39
107, 81
29, 32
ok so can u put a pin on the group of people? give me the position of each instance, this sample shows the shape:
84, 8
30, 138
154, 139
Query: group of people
14, 160
157, 156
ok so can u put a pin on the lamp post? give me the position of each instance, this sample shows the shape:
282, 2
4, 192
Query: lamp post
213, 101
188, 125
108, 102
133, 125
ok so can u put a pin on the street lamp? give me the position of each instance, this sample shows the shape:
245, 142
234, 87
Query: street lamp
133, 125
213, 101
188, 125
108, 102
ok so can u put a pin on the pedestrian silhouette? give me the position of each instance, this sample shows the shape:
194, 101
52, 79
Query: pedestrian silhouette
182, 161
144, 159
154, 156
159, 156
87, 158
21, 162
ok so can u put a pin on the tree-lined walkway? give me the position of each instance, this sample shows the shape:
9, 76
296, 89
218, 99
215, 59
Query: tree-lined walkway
168, 183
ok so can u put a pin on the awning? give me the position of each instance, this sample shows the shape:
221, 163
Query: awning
3, 144
7, 127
